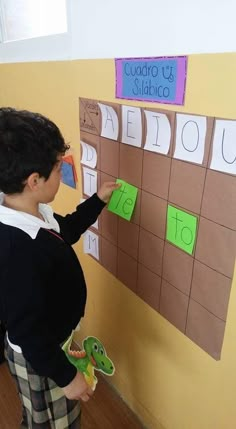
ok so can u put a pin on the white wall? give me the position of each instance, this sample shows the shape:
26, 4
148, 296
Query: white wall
133, 28
124, 28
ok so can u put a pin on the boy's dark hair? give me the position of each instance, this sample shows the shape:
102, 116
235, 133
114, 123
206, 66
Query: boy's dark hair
29, 143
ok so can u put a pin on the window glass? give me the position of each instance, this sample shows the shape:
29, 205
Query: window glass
23, 19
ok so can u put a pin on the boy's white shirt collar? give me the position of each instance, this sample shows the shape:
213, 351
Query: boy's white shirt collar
26, 222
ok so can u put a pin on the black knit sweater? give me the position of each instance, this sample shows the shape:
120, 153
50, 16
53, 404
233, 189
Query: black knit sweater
43, 291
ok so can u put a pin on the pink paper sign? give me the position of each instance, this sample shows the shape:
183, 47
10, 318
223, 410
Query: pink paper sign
160, 80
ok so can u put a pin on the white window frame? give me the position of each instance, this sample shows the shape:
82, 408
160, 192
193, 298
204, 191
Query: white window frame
2, 26
44, 48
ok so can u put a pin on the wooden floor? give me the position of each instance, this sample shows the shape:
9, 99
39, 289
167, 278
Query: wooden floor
105, 410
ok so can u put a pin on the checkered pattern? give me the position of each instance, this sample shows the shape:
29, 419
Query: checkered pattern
44, 404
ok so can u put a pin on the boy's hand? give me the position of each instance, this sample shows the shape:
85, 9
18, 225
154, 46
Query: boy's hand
78, 388
106, 190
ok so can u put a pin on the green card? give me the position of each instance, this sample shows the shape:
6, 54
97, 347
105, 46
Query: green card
123, 200
181, 229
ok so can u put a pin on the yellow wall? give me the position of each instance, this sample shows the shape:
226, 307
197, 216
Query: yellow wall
168, 381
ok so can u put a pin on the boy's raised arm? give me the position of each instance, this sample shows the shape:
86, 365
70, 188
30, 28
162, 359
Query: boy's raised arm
75, 224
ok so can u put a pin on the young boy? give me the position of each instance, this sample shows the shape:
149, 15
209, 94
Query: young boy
42, 287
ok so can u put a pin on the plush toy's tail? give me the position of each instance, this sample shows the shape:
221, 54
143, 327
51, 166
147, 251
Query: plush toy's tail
74, 353
67, 344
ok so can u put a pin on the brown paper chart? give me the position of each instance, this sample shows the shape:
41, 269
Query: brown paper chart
178, 251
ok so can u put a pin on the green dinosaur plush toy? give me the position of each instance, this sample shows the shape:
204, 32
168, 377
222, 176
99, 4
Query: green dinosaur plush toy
92, 356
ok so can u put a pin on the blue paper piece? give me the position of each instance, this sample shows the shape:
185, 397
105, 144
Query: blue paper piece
152, 86
160, 79
67, 175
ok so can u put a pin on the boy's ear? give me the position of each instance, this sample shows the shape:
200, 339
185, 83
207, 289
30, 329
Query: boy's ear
33, 181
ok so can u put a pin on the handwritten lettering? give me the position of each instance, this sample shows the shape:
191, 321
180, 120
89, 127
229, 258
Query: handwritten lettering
157, 133
223, 150
123, 200
181, 229
109, 119
167, 73
140, 70
128, 202
183, 233
91, 244
91, 180
146, 87
190, 129
87, 126
89, 152
151, 79
129, 112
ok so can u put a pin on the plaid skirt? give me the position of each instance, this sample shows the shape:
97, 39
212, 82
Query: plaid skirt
44, 404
